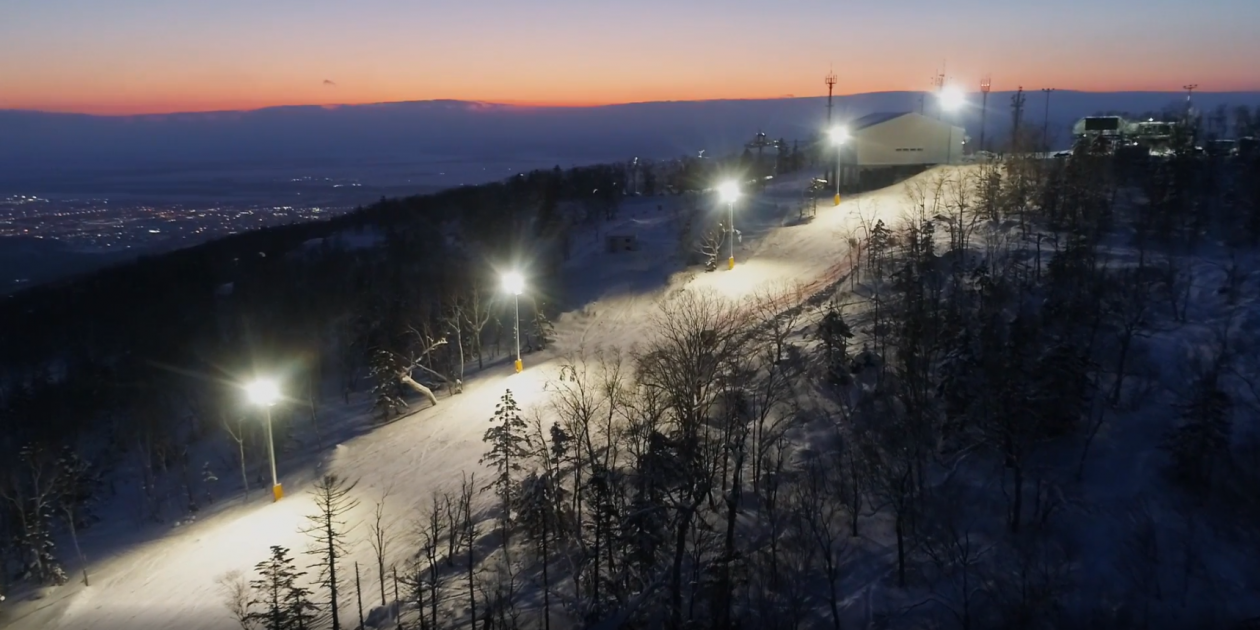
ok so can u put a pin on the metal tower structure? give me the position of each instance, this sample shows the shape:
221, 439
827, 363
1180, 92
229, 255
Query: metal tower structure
1045, 125
985, 84
938, 82
1017, 108
830, 80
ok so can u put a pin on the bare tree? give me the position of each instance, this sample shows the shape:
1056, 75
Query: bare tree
238, 436
957, 551
821, 521
379, 538
237, 597
330, 533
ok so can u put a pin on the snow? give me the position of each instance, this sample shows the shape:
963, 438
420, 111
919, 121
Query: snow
169, 579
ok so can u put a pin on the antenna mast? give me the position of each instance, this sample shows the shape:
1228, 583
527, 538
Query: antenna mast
985, 84
830, 80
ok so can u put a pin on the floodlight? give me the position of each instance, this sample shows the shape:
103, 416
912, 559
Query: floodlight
263, 392
951, 98
839, 135
514, 283
729, 191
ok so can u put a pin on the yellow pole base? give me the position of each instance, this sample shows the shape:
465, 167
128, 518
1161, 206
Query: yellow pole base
277, 491
519, 367
837, 199
730, 263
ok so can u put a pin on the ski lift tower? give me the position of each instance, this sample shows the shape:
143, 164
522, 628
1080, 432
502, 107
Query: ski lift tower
759, 142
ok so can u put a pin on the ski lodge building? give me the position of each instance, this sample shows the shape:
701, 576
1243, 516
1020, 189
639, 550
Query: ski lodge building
894, 145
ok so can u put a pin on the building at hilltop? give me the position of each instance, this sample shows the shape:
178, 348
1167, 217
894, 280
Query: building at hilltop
887, 146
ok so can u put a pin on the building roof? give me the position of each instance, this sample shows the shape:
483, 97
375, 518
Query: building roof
870, 120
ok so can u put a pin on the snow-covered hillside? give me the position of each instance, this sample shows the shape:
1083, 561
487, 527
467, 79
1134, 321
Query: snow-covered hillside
169, 579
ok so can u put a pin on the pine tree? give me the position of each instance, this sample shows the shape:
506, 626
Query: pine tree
384, 369
509, 448
834, 333
544, 331
330, 533
284, 604
1203, 438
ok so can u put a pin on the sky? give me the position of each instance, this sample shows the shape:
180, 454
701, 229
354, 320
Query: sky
159, 56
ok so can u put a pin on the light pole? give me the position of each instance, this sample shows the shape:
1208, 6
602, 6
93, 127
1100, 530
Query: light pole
514, 283
265, 393
729, 192
1045, 125
839, 135
951, 99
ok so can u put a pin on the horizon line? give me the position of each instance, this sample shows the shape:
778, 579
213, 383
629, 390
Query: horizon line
524, 105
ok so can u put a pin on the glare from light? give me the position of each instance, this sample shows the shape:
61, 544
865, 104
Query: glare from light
951, 98
839, 135
263, 392
729, 191
514, 283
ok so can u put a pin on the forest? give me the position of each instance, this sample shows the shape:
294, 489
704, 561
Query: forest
926, 443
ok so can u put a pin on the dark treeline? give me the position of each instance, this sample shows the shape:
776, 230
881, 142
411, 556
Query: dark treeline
952, 471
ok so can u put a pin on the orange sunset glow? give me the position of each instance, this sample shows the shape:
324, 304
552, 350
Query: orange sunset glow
148, 57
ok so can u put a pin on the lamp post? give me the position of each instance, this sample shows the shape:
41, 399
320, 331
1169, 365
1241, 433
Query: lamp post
514, 283
729, 192
951, 99
839, 136
265, 393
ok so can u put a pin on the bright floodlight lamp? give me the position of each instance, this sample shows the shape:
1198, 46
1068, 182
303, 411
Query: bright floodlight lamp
265, 393
951, 98
728, 191
839, 136
514, 283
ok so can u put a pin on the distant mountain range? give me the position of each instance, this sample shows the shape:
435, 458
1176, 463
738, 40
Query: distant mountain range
34, 144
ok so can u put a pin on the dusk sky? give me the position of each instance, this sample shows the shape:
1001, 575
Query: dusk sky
141, 56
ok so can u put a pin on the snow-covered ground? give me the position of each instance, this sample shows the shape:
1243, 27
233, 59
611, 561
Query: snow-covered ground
169, 579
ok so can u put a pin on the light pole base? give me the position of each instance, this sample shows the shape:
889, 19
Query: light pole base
519, 367
837, 199
730, 263
277, 492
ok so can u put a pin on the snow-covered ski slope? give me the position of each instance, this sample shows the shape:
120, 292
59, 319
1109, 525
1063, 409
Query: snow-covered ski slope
169, 581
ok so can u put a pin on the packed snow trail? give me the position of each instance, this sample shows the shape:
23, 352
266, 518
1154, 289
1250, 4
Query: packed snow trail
170, 581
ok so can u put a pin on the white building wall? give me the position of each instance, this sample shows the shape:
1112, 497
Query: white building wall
908, 140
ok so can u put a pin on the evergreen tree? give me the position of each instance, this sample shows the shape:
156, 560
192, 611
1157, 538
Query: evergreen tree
544, 331
834, 333
330, 534
1203, 438
509, 448
284, 604
384, 369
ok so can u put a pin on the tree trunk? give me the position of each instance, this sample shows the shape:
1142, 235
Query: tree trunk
330, 531
675, 580
406, 379
901, 549
1017, 504
358, 594
74, 537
